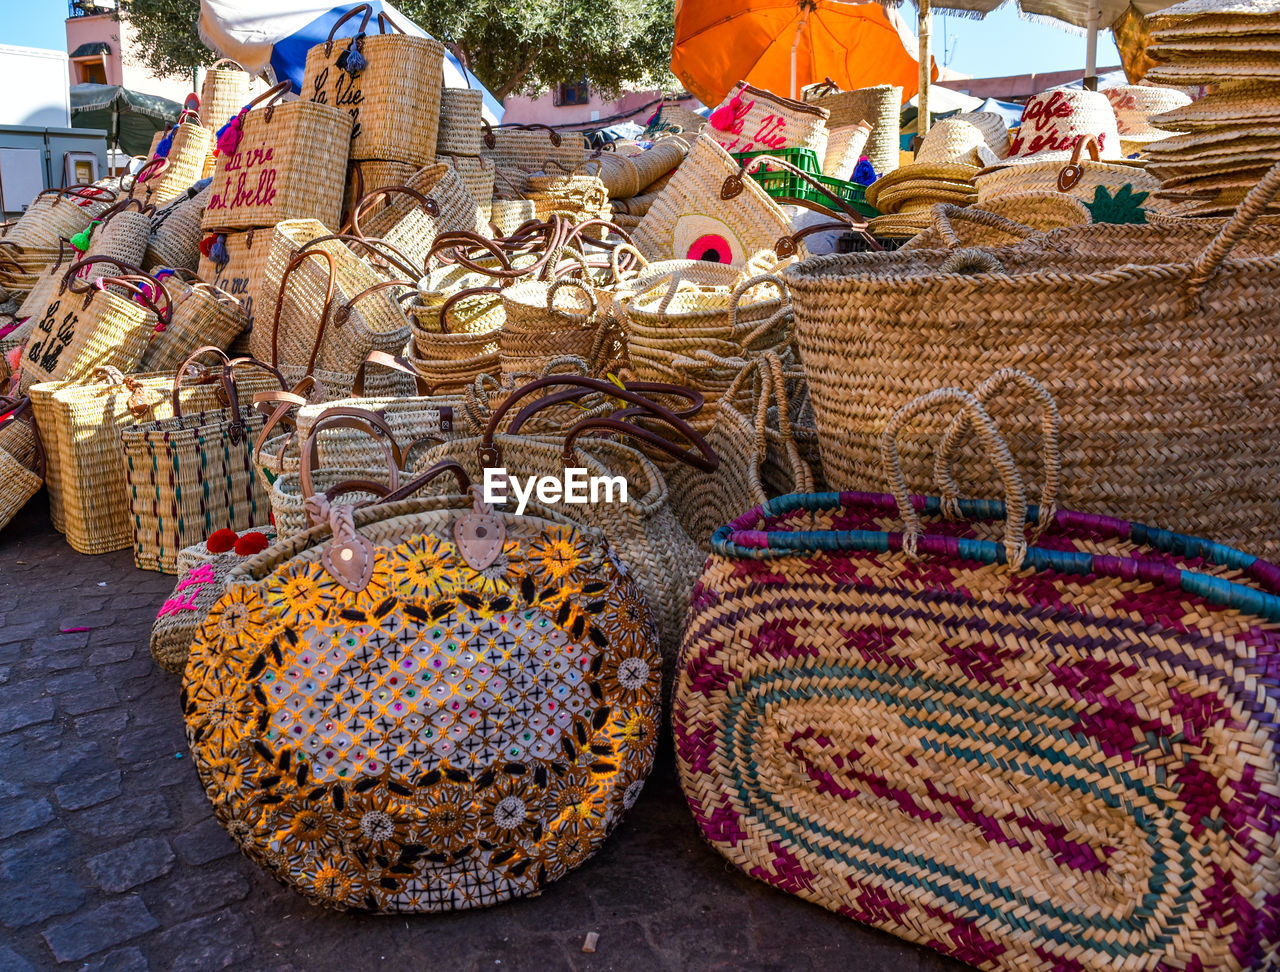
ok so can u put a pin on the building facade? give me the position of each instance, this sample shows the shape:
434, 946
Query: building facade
101, 48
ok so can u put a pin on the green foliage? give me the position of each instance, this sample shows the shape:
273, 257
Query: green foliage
168, 43
1124, 207
510, 45
524, 46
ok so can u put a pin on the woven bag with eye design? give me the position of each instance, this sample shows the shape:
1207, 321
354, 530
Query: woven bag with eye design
426, 705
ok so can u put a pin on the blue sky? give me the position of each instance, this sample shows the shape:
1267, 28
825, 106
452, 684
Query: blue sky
1001, 44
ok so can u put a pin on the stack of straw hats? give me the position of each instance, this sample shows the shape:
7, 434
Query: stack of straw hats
1069, 141
1233, 134
1134, 105
951, 154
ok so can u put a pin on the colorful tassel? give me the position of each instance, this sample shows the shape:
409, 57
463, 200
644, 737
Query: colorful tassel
230, 133
352, 60
81, 240
723, 118
863, 173
165, 144
218, 251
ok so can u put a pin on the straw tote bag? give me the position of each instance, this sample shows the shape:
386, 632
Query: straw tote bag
434, 201
193, 473
22, 458
461, 122
879, 106
1046, 755
1082, 178
644, 531
202, 314
236, 263
1113, 320
389, 82
708, 212
369, 175
86, 326
752, 119
548, 320
190, 145
175, 232
57, 214
82, 422
224, 92
330, 309
517, 150
46, 284
281, 161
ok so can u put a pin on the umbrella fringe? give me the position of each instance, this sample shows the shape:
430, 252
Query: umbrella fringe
1050, 21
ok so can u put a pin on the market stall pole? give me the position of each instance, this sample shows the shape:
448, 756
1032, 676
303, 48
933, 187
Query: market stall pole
925, 29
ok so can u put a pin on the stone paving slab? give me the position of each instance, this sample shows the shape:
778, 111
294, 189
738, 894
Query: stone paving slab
110, 858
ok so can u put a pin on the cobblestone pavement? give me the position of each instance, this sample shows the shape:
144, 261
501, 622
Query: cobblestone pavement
110, 858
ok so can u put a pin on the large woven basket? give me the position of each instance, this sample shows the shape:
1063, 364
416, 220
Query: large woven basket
224, 92
202, 314
175, 232
82, 423
752, 119
702, 215
22, 458
393, 100
461, 122
58, 214
328, 308
240, 269
190, 146
1152, 338
435, 200
531, 148
369, 175
84, 328
122, 234
879, 106
278, 162
1045, 758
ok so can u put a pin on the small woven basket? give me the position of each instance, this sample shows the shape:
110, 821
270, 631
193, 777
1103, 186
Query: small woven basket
461, 122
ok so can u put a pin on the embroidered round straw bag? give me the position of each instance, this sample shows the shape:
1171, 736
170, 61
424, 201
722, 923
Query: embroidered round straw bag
426, 705
389, 82
1044, 755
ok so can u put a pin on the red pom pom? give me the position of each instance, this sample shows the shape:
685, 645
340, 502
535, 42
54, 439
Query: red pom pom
252, 543
220, 541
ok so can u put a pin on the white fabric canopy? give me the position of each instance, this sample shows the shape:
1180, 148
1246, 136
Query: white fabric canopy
273, 36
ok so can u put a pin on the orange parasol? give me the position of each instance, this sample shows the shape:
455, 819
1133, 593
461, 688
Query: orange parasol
782, 45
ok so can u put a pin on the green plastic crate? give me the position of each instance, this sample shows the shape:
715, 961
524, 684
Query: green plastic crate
806, 160
787, 185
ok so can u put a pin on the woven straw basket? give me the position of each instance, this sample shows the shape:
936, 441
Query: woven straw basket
370, 175
394, 100
202, 314
290, 162
531, 148
328, 307
1113, 320
763, 120
700, 210
175, 233
122, 234
189, 149
461, 122
224, 92
435, 200
84, 328
58, 214
1042, 758
244, 271
82, 423
22, 458
625, 176
548, 320
879, 106
478, 175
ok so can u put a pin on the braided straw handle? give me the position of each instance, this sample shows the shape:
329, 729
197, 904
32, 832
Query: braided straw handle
1051, 456
944, 213
1015, 544
1208, 262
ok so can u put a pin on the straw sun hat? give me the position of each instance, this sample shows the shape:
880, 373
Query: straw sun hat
1134, 104
952, 152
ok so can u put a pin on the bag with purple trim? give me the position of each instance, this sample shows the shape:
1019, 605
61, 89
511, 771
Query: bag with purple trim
1044, 751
